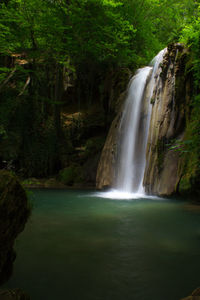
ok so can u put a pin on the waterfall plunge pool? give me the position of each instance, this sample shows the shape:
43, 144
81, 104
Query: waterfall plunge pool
78, 246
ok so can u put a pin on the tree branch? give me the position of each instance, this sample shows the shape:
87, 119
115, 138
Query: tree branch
26, 84
8, 78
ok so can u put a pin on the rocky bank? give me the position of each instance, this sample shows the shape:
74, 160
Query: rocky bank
14, 212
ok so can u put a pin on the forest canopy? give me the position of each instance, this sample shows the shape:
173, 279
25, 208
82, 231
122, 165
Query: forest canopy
48, 47
118, 32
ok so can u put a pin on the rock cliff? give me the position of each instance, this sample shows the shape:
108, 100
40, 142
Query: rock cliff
106, 167
170, 110
167, 126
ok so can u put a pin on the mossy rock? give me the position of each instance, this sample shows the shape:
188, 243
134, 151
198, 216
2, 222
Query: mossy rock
153, 100
31, 182
185, 185
190, 179
14, 212
189, 184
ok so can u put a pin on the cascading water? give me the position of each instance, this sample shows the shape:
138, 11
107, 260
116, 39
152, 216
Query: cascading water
133, 132
131, 148
134, 128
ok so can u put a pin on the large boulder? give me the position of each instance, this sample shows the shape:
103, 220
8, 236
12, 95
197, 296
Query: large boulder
14, 212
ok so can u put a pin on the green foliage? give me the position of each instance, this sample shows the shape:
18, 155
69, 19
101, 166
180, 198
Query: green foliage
3, 73
180, 146
48, 46
101, 33
189, 182
171, 18
190, 147
70, 175
67, 176
191, 36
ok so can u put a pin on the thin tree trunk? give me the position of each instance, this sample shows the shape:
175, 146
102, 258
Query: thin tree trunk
58, 99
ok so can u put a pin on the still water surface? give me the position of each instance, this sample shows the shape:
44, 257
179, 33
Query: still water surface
77, 246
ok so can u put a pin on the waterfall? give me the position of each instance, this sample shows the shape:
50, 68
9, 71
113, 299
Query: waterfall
134, 129
131, 144
125, 156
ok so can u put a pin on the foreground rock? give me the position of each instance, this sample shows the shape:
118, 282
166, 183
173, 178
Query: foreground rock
14, 212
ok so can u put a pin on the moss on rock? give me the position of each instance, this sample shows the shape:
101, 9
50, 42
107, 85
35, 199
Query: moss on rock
14, 212
190, 180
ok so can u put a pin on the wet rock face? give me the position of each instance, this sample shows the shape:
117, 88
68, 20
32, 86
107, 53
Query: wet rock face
167, 125
14, 212
106, 168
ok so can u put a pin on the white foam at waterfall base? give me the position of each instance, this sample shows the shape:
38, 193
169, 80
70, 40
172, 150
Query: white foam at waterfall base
121, 195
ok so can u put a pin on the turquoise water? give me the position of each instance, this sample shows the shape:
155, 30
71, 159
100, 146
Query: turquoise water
77, 246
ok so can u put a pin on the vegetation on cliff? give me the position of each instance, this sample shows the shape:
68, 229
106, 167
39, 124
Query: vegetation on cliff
63, 65
190, 148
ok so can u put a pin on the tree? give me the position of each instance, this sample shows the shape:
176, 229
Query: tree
43, 44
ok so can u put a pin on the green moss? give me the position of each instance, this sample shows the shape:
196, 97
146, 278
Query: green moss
184, 185
189, 184
71, 175
31, 181
190, 180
